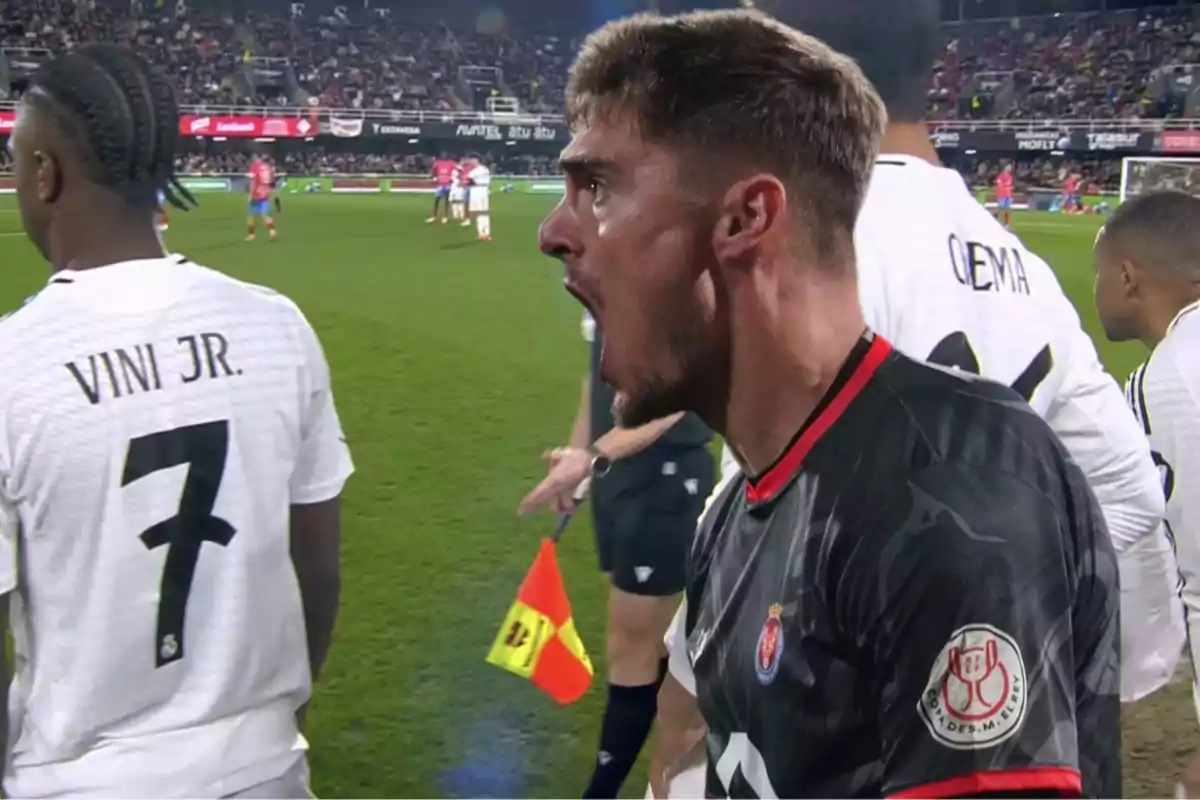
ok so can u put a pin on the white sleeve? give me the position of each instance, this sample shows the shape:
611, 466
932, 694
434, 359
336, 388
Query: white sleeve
1153, 632
678, 663
1170, 411
1094, 422
9, 528
323, 462
729, 467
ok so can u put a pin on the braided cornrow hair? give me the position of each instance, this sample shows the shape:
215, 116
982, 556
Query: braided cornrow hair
123, 114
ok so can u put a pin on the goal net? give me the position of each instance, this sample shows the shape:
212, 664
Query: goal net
1141, 175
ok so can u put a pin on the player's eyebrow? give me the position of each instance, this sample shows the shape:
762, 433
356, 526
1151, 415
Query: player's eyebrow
585, 165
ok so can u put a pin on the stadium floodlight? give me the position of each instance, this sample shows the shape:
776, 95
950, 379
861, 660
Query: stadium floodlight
1147, 174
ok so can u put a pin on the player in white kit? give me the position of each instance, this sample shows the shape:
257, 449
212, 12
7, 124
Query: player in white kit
1148, 288
458, 195
479, 201
942, 280
170, 469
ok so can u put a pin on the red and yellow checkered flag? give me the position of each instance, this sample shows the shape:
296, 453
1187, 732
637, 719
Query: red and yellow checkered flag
538, 640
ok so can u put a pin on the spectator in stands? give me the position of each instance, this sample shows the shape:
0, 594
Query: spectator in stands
1113, 65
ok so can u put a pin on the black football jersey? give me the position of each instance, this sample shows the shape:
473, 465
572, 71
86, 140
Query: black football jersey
919, 599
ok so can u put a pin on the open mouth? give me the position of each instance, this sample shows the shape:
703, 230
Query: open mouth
582, 299
590, 306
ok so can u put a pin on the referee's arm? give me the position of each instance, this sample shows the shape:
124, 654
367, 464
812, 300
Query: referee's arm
968, 604
581, 429
570, 465
619, 442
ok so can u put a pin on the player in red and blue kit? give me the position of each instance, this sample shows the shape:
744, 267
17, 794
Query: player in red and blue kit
443, 178
1071, 202
1004, 195
262, 184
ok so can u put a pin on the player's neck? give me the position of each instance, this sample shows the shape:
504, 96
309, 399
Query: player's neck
909, 139
1159, 321
87, 247
782, 370
95, 229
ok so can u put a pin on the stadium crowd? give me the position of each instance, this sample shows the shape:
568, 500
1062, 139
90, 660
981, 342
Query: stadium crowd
1060, 66
1041, 173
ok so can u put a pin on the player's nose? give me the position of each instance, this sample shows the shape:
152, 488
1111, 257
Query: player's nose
558, 236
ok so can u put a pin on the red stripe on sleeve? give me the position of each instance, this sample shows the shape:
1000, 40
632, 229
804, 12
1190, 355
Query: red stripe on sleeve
1054, 781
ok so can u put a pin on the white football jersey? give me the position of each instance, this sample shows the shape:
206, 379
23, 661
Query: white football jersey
942, 280
1165, 395
480, 175
157, 422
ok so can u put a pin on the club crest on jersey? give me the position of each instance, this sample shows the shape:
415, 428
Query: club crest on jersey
976, 695
770, 646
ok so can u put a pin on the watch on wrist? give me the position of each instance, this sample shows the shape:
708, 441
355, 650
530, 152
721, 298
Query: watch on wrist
601, 463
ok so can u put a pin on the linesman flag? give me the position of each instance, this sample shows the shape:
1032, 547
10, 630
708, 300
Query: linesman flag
538, 640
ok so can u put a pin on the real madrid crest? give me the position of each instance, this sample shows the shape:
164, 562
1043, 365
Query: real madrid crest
770, 646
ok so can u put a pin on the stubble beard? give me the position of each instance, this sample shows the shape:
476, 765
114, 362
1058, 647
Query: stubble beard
677, 390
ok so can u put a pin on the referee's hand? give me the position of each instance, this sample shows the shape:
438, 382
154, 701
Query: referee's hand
569, 466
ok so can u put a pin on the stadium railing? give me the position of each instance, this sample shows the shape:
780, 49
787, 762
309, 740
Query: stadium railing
380, 114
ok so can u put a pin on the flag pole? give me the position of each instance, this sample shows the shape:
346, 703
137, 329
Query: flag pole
565, 519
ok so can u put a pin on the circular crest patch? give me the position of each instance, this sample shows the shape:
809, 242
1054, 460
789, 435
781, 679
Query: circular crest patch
770, 646
976, 695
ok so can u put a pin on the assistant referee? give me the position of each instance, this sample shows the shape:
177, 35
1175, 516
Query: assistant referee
648, 489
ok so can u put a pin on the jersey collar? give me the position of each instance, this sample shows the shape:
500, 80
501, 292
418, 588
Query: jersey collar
862, 363
1183, 312
66, 276
899, 160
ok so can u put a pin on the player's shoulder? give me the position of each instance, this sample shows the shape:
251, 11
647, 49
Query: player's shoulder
950, 417
961, 445
913, 206
270, 300
1171, 374
1174, 356
31, 318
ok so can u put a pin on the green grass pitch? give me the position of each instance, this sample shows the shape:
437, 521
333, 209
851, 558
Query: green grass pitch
455, 364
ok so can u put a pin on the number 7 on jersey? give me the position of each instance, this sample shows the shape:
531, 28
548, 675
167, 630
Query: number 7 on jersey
203, 448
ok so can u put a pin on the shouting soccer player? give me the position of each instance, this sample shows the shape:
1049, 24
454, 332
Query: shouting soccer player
942, 279
916, 594
262, 186
1148, 288
1004, 195
170, 467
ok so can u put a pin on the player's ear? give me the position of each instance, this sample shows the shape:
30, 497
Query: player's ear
751, 210
48, 176
1131, 276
